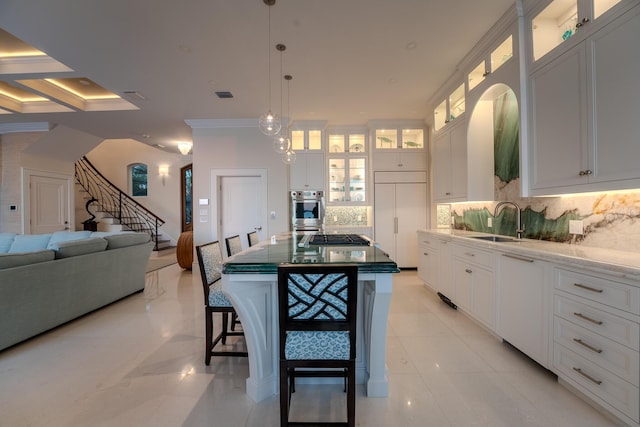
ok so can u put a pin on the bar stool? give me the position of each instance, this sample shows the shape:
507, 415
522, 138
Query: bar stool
215, 301
317, 329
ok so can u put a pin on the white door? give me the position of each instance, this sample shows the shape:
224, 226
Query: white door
49, 204
241, 201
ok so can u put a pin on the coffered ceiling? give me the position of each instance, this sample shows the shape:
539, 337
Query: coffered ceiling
139, 68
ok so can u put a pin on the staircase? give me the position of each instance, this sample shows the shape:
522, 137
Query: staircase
114, 210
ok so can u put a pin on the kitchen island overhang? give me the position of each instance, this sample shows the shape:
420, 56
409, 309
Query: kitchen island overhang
250, 281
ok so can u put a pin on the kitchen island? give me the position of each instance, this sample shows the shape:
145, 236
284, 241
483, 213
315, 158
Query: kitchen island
250, 280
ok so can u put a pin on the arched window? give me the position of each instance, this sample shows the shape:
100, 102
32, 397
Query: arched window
138, 179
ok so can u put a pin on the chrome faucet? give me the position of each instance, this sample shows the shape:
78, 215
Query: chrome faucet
519, 225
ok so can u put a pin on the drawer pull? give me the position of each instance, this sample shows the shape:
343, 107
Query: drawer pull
582, 316
469, 254
468, 270
424, 253
587, 376
519, 258
427, 242
590, 347
588, 288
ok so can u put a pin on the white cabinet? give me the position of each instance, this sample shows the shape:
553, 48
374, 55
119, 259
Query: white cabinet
348, 170
428, 260
307, 172
584, 113
474, 283
524, 305
400, 209
596, 338
450, 164
398, 146
407, 160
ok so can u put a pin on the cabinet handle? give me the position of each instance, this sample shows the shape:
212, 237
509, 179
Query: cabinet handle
588, 288
399, 165
587, 376
518, 258
586, 172
424, 253
447, 193
447, 121
581, 23
395, 225
469, 254
587, 318
428, 242
468, 270
590, 347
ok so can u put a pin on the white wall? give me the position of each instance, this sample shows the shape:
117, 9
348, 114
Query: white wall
217, 147
13, 159
112, 158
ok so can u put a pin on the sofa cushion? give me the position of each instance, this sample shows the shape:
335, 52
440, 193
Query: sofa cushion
79, 247
29, 243
6, 239
25, 258
126, 239
65, 236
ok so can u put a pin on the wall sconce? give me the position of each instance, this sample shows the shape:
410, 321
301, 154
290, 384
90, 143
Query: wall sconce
185, 147
163, 171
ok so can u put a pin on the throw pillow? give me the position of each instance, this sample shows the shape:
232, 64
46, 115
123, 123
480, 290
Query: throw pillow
65, 236
79, 247
29, 243
6, 239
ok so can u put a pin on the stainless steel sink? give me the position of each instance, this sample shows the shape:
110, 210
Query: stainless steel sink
495, 238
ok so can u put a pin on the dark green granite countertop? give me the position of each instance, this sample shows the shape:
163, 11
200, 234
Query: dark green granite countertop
265, 257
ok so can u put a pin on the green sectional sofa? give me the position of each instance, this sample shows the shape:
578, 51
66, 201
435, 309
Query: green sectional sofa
49, 279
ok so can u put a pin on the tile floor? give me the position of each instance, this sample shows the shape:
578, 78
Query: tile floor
140, 363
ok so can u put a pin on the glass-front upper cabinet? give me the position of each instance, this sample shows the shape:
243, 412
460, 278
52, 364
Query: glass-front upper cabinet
562, 19
347, 143
307, 136
347, 179
392, 139
449, 109
496, 59
347, 166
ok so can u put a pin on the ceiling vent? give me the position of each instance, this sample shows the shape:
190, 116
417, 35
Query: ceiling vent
223, 94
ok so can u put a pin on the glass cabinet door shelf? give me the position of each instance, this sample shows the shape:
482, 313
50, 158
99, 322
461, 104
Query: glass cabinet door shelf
347, 179
393, 139
563, 19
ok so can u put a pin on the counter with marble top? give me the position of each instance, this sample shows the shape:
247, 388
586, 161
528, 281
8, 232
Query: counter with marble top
619, 263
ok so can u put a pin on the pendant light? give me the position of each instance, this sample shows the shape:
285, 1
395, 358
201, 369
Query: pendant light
269, 123
289, 156
281, 140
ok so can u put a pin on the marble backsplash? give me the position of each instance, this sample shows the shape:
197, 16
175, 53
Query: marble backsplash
610, 220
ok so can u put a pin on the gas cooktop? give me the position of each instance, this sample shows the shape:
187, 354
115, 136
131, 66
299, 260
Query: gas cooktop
339, 240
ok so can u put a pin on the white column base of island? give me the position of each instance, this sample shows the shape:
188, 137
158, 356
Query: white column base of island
255, 298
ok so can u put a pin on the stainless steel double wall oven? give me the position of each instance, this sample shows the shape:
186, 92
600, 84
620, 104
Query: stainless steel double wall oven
307, 211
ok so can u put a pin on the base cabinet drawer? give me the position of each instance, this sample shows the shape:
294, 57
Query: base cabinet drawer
623, 331
608, 354
600, 289
604, 387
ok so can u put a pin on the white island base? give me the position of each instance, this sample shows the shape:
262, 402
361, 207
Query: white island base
255, 298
